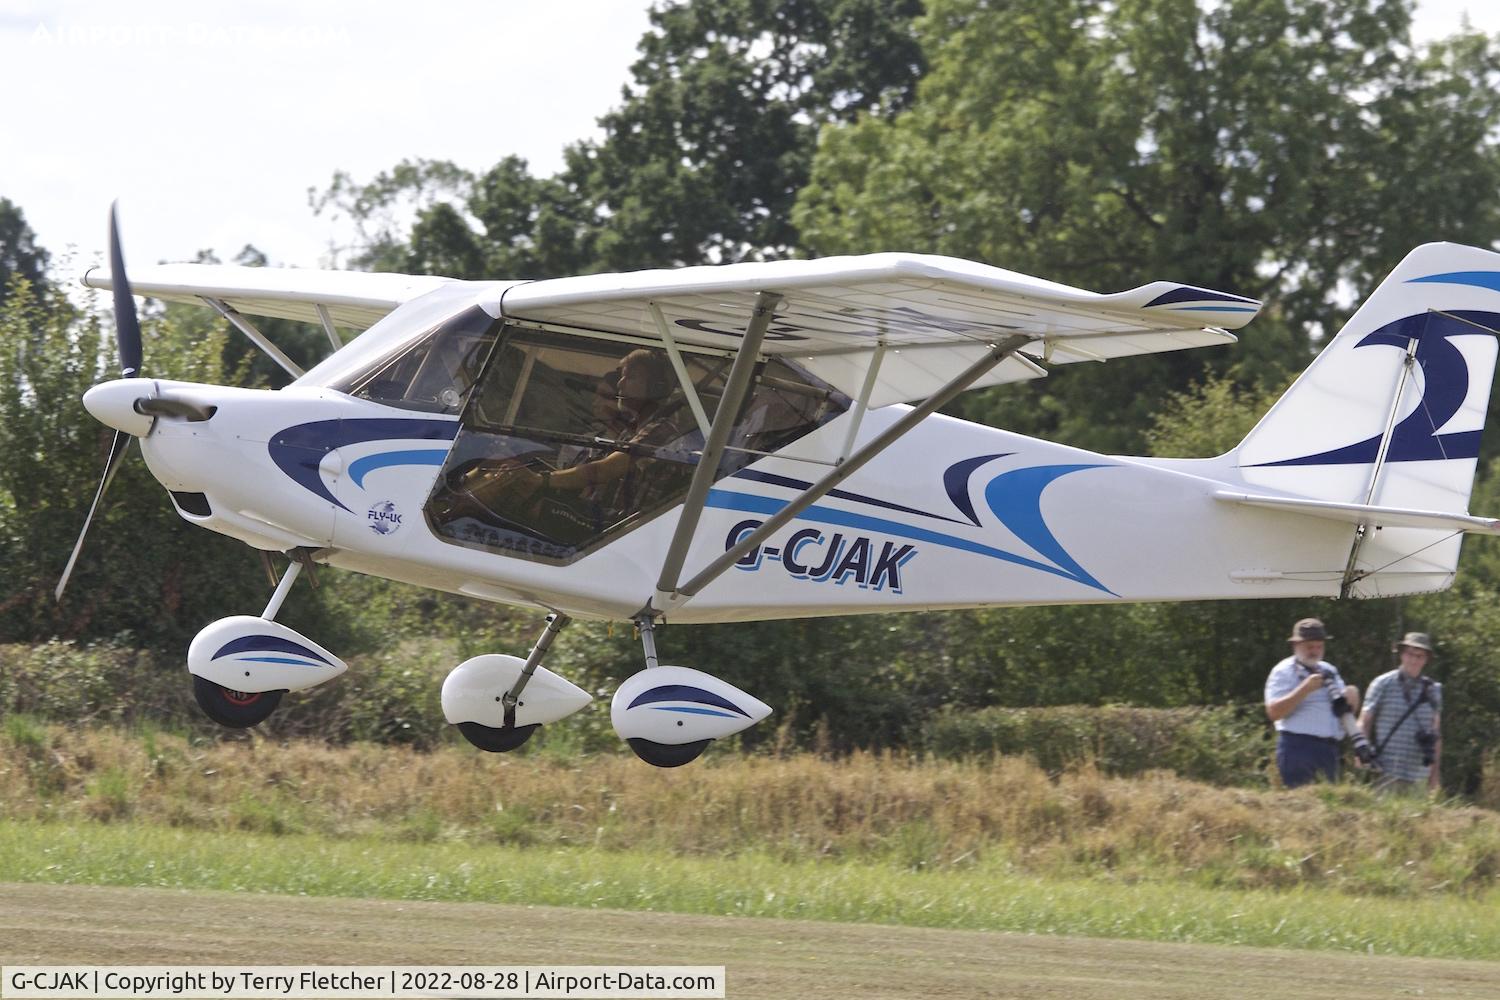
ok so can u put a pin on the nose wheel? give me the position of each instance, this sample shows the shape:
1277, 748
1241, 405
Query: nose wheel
234, 709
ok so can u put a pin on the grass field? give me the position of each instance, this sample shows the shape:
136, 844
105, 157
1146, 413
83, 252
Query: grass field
45, 924
981, 897
995, 845
899, 812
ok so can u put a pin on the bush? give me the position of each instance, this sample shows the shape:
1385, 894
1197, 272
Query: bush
71, 683
1226, 745
391, 697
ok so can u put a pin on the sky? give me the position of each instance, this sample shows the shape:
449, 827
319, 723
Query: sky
210, 123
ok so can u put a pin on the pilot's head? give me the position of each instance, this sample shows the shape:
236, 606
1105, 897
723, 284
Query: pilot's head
645, 380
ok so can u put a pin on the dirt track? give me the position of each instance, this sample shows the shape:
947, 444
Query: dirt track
43, 924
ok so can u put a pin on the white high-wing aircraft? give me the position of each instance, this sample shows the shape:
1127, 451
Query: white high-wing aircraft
757, 441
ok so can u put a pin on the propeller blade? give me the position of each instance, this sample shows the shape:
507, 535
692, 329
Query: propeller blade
127, 325
116, 452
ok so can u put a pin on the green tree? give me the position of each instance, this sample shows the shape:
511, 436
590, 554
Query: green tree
136, 575
1279, 149
700, 163
20, 254
1207, 419
703, 160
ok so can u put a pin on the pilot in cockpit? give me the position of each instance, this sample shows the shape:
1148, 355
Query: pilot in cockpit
643, 417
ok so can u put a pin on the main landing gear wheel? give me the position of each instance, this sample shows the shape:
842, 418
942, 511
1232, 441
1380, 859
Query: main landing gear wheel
667, 754
234, 709
494, 740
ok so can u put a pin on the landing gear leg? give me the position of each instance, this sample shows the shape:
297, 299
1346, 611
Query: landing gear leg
646, 626
510, 736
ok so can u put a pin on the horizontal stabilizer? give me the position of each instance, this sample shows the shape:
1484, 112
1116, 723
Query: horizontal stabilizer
1378, 517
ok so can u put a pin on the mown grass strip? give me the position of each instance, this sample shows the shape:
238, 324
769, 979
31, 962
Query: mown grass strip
986, 897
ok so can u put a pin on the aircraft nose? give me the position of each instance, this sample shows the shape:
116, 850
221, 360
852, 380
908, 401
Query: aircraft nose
113, 404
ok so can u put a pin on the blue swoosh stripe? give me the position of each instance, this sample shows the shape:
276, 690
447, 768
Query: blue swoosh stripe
298, 451
750, 504
1187, 293
1446, 384
362, 467
1476, 279
1217, 309
685, 692
275, 659
691, 711
269, 644
956, 482
773, 479
1016, 499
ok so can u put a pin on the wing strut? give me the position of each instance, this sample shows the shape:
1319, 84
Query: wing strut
735, 389
689, 391
863, 403
667, 597
327, 320
256, 337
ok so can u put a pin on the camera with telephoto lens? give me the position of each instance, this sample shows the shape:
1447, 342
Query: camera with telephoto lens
1345, 715
1427, 740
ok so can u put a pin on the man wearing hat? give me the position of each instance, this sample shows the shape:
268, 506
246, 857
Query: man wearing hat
1402, 717
1309, 736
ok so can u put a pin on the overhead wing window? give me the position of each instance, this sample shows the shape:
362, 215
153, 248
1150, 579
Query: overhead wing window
568, 441
435, 373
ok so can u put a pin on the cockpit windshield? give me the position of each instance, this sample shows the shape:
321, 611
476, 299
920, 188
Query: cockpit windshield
570, 440
400, 329
435, 373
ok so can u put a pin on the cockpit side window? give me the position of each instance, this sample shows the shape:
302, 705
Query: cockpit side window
435, 374
569, 441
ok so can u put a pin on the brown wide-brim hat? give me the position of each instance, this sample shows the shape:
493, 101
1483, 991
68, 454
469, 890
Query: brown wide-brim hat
1309, 630
1416, 640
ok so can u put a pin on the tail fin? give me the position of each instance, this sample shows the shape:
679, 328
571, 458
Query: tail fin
1390, 415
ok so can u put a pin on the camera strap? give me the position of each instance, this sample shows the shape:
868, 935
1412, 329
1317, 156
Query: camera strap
1410, 708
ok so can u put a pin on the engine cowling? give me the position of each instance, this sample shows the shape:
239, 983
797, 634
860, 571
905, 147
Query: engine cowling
252, 654
669, 715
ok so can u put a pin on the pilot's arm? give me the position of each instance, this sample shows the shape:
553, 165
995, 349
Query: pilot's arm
574, 480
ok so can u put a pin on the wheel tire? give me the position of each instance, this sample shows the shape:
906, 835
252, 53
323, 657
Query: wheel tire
234, 709
667, 754
492, 740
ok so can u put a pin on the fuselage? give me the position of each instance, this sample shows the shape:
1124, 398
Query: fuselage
953, 515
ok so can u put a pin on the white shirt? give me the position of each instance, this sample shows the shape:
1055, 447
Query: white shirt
1314, 717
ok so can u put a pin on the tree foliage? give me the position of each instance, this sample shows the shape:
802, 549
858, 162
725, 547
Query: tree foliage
20, 254
137, 575
700, 163
1286, 150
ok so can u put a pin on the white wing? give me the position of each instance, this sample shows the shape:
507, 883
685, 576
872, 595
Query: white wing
936, 315
353, 299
